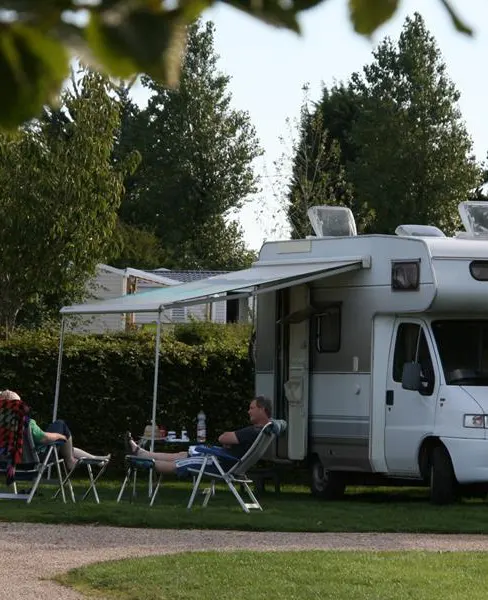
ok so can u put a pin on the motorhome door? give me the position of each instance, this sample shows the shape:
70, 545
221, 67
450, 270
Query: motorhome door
409, 414
295, 380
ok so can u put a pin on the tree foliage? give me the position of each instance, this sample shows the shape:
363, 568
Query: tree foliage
414, 157
405, 152
127, 37
197, 154
59, 195
318, 175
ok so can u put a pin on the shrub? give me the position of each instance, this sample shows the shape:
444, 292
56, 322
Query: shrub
107, 382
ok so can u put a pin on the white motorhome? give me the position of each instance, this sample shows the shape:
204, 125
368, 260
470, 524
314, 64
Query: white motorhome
380, 363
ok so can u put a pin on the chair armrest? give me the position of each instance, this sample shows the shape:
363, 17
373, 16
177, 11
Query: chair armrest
56, 443
215, 451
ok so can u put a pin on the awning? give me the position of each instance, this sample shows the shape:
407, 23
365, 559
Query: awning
260, 278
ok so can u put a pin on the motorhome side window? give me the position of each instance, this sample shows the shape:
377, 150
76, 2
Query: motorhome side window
411, 346
328, 329
405, 275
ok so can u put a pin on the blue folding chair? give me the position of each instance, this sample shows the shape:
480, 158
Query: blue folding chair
215, 459
133, 465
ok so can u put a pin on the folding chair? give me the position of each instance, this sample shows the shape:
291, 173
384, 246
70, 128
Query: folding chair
212, 468
89, 463
133, 464
16, 440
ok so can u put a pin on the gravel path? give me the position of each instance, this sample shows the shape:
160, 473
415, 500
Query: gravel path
44, 550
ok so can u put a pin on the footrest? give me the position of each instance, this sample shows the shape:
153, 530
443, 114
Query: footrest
93, 461
139, 463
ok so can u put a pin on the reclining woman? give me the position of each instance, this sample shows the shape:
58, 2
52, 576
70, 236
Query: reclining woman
56, 431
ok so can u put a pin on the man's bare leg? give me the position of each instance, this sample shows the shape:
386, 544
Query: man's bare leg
165, 466
158, 456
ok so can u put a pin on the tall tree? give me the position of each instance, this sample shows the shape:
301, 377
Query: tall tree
59, 196
197, 154
318, 175
414, 156
404, 149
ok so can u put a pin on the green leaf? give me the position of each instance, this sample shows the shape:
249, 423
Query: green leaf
272, 12
368, 15
32, 69
458, 24
143, 42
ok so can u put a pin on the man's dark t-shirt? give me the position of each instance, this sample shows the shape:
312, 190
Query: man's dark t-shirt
245, 437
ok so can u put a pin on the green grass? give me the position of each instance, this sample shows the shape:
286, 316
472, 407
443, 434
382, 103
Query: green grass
287, 576
362, 510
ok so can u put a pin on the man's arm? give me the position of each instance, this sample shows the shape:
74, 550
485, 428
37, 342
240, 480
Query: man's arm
228, 438
50, 437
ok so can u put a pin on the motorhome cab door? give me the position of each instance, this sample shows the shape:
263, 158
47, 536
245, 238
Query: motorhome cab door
409, 414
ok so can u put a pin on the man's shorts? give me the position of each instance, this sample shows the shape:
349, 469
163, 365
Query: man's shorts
195, 462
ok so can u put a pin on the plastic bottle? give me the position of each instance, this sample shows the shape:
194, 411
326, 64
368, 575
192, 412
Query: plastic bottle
201, 427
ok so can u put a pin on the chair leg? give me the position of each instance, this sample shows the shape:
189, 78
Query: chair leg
253, 498
196, 485
124, 483
60, 475
233, 489
134, 481
93, 481
210, 491
156, 489
66, 480
40, 473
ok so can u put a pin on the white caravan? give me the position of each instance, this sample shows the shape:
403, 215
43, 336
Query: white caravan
379, 363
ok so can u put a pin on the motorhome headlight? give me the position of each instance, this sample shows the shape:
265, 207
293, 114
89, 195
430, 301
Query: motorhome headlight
476, 421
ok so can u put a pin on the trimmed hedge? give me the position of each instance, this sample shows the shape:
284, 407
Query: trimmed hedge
107, 381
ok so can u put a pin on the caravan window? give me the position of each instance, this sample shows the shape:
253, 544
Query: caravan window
411, 346
479, 270
463, 350
405, 275
328, 329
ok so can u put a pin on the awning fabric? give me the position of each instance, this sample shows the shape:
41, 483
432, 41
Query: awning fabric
260, 278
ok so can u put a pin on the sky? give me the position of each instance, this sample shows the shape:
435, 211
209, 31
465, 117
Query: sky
269, 66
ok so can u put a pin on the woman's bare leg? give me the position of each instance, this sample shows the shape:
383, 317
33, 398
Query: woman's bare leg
66, 452
79, 453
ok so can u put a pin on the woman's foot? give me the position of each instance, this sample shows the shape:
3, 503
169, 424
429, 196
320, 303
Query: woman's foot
104, 458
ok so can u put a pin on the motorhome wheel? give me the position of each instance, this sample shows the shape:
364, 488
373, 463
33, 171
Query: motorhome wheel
443, 484
328, 485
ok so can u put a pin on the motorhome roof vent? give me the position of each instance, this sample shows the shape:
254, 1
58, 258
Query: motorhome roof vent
474, 215
419, 231
332, 221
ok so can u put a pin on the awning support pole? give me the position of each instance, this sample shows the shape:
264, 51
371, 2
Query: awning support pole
155, 393
58, 373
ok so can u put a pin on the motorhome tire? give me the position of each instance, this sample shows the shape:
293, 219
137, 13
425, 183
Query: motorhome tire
328, 485
443, 484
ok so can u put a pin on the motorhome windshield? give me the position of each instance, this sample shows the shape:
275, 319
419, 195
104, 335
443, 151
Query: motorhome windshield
463, 349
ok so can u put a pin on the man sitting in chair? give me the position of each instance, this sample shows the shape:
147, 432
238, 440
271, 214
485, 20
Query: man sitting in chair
236, 443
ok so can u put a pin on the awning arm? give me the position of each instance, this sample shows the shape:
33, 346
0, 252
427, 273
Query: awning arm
58, 372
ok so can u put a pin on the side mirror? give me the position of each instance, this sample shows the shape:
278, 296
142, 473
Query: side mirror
411, 376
